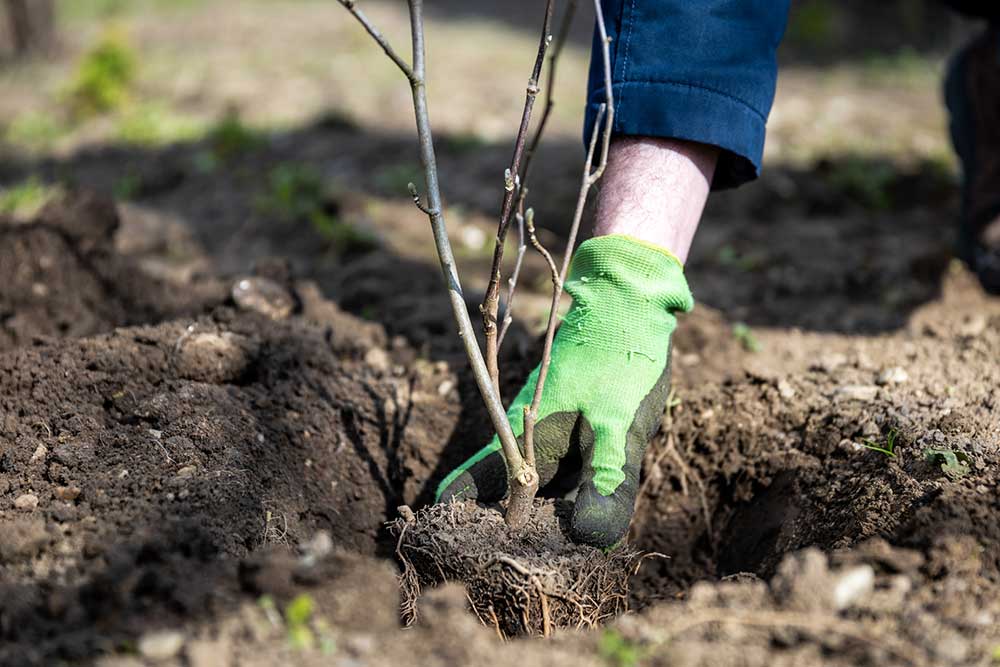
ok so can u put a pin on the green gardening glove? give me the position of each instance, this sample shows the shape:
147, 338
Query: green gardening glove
606, 388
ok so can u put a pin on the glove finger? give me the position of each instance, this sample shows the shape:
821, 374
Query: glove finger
609, 481
612, 461
482, 477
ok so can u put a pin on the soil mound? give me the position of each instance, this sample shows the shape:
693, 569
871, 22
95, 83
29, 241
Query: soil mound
61, 276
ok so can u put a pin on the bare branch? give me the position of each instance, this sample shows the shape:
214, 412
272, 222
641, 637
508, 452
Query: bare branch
352, 6
491, 301
529, 153
590, 176
609, 98
537, 245
522, 247
520, 475
557, 47
416, 200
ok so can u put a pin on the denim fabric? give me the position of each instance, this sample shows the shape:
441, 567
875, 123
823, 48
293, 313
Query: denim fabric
701, 70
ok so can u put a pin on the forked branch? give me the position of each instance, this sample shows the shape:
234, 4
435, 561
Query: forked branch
491, 301
591, 174
555, 50
522, 477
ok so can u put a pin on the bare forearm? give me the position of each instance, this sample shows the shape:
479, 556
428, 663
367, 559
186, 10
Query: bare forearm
655, 190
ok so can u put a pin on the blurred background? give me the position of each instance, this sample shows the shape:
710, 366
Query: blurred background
234, 130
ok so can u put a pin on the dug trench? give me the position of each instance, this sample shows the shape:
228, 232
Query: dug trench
183, 456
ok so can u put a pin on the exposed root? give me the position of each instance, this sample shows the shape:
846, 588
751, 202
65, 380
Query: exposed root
527, 582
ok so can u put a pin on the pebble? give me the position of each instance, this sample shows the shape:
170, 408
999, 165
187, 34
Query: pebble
40, 453
264, 296
161, 645
187, 471
318, 547
786, 390
972, 326
378, 359
894, 375
853, 586
857, 392
214, 357
67, 493
26, 502
829, 362
209, 653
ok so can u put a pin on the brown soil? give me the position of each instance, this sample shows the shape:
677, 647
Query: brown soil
183, 451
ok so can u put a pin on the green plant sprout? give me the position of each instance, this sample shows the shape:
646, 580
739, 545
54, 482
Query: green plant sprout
618, 651
25, 199
890, 444
104, 77
745, 336
304, 629
954, 463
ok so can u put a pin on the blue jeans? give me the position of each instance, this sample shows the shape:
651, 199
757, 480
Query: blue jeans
701, 70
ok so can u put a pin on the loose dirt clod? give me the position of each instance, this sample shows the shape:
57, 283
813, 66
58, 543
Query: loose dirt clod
526, 581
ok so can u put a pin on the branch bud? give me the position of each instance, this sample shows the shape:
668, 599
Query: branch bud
508, 181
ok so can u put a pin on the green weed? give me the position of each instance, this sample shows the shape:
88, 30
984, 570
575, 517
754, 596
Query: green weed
296, 193
104, 77
152, 125
34, 130
303, 628
26, 198
954, 463
617, 651
745, 336
890, 444
128, 185
298, 613
864, 181
230, 137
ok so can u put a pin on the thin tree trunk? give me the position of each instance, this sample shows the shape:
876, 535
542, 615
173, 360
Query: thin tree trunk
32, 25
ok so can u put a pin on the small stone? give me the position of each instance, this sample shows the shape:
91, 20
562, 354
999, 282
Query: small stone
378, 359
689, 359
857, 392
264, 296
214, 357
67, 493
40, 453
187, 471
26, 502
853, 586
161, 646
445, 387
209, 653
320, 546
829, 362
786, 390
972, 326
894, 375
